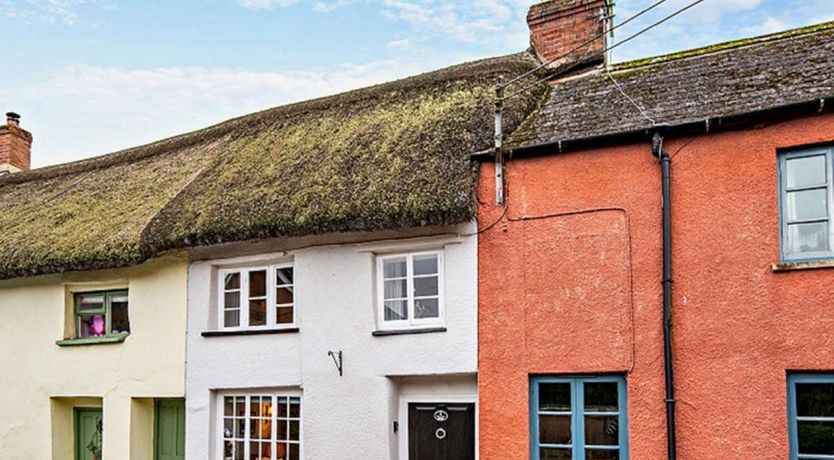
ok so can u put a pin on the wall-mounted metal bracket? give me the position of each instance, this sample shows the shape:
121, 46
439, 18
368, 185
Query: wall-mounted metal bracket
337, 360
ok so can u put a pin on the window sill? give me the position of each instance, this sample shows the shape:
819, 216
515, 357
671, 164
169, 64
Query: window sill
808, 265
422, 330
286, 330
92, 340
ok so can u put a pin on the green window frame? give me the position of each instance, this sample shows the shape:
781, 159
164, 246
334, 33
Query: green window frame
94, 318
578, 417
811, 416
806, 194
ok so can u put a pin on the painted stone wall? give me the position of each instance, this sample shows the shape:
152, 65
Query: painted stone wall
342, 417
41, 382
569, 283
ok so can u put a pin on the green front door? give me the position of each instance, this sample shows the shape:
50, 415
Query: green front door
88, 431
170, 429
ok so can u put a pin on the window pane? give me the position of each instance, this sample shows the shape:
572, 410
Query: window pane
284, 295
394, 268
807, 204
294, 430
554, 397
815, 399
89, 302
284, 315
426, 308
257, 283
424, 287
283, 276
816, 438
228, 406
602, 430
808, 237
554, 429
231, 300
281, 405
239, 451
554, 454
295, 407
119, 320
232, 281
240, 406
282, 430
295, 452
600, 454
601, 397
254, 428
396, 310
806, 171
231, 318
282, 452
91, 326
395, 289
257, 312
228, 450
425, 265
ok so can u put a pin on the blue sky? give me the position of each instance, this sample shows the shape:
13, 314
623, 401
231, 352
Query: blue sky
94, 76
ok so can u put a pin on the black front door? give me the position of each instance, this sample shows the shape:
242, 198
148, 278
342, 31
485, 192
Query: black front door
441, 431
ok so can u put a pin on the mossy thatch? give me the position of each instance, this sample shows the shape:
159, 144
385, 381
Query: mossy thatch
390, 156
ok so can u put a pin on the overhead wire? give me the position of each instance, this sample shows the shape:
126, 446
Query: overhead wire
583, 44
599, 53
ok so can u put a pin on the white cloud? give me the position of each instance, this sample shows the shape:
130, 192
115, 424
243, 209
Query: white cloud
86, 110
265, 4
328, 6
399, 44
49, 11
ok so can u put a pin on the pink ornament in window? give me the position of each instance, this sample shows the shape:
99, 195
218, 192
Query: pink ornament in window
98, 325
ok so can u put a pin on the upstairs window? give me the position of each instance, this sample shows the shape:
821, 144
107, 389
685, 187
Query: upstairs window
410, 290
811, 416
101, 314
257, 297
805, 198
578, 418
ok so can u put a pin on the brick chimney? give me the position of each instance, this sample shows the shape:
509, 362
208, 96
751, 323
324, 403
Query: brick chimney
559, 26
15, 146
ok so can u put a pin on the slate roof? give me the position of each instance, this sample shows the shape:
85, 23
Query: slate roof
717, 81
390, 156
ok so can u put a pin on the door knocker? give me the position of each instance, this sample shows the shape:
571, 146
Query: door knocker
440, 433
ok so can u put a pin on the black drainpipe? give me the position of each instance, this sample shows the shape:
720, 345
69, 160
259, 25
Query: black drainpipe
665, 164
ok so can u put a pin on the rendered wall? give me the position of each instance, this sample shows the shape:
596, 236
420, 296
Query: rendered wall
41, 382
581, 293
342, 417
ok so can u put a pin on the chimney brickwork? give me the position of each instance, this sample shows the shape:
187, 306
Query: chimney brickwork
559, 26
15, 146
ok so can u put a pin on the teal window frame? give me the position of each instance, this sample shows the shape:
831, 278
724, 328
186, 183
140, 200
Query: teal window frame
578, 414
105, 310
794, 418
785, 221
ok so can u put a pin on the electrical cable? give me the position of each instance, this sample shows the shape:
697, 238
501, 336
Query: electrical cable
600, 53
583, 44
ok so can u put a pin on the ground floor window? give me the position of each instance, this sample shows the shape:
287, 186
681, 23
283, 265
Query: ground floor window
811, 415
261, 427
578, 418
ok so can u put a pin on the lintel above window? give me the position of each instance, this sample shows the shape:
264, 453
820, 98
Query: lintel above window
256, 298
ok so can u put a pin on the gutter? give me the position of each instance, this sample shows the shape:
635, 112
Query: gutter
699, 125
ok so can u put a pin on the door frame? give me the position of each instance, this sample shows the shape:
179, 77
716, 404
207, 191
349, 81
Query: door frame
432, 398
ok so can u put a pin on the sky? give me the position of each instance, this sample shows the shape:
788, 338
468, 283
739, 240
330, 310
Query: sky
91, 77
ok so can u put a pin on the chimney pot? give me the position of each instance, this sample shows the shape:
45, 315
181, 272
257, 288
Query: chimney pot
13, 118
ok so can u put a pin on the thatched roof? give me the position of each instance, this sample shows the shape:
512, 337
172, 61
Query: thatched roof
390, 156
723, 80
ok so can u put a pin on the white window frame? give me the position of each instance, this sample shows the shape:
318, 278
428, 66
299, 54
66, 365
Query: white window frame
411, 322
248, 393
271, 301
